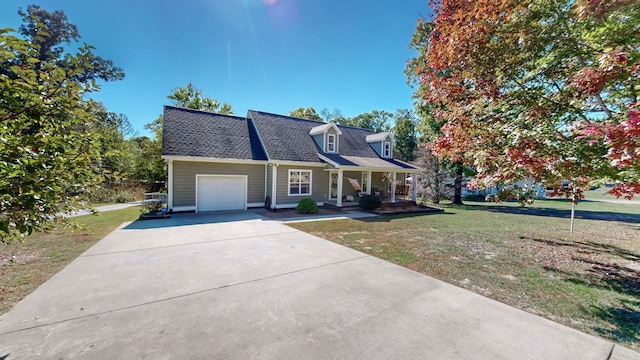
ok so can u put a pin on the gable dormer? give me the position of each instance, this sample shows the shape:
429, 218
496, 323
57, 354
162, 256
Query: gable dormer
382, 143
327, 136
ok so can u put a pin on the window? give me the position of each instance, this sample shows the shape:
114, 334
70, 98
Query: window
365, 177
299, 182
331, 143
386, 149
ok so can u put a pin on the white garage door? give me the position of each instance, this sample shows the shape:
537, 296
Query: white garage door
216, 193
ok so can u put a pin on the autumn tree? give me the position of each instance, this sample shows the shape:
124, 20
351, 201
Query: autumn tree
48, 151
534, 88
191, 98
306, 113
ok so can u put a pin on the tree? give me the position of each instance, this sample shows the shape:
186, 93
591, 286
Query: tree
332, 116
376, 120
308, 113
404, 134
47, 152
150, 166
434, 182
191, 98
48, 31
118, 155
535, 88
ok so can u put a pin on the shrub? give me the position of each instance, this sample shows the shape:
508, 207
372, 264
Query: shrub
369, 202
125, 197
307, 206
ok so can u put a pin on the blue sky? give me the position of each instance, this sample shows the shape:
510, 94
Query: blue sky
268, 55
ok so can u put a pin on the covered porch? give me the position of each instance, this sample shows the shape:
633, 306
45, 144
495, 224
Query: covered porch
390, 185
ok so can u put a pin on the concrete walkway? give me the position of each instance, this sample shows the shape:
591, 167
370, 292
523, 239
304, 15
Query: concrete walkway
104, 208
237, 286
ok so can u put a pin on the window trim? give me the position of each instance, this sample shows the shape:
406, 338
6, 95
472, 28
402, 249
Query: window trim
386, 152
335, 143
300, 183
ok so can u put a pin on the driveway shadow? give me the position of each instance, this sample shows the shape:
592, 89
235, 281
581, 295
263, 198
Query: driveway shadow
609, 268
186, 219
389, 217
550, 212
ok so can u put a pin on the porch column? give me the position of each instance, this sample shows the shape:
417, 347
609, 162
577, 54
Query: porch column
393, 187
339, 196
414, 187
368, 189
170, 184
330, 181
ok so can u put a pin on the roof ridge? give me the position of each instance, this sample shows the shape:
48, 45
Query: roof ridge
290, 117
205, 112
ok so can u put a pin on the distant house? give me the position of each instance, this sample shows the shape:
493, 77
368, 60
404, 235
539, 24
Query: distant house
223, 162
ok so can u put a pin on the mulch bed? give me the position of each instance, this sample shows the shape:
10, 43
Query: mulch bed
290, 213
405, 210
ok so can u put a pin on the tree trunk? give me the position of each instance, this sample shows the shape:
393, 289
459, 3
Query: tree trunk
457, 185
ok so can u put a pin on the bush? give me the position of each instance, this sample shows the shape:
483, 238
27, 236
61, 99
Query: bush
125, 197
123, 192
307, 206
369, 202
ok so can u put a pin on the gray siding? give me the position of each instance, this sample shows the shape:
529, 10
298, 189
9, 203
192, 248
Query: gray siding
319, 185
184, 179
347, 188
319, 139
377, 146
379, 185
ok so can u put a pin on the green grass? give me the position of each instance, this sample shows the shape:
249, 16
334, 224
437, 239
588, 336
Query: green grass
600, 193
25, 266
589, 280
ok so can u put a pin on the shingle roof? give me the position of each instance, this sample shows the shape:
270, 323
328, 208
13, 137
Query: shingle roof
188, 132
286, 138
368, 162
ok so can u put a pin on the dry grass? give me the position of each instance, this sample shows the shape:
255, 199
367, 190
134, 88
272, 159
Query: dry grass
589, 280
25, 266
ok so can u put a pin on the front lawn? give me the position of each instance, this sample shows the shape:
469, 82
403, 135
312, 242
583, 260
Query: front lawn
25, 266
589, 280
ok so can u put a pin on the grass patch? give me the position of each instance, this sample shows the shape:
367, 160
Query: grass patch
27, 265
589, 280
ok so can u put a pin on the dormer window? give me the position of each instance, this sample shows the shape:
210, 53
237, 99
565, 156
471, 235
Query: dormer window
386, 150
381, 143
327, 137
331, 143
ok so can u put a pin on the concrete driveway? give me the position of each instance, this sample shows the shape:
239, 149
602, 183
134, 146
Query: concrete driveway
236, 286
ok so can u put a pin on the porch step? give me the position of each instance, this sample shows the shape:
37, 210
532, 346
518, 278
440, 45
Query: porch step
355, 205
344, 206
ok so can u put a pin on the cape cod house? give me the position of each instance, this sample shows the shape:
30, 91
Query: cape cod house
223, 162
